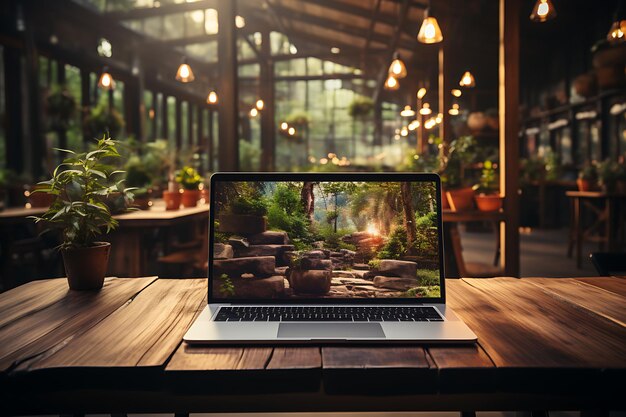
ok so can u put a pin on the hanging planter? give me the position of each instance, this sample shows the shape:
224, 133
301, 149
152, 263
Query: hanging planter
61, 109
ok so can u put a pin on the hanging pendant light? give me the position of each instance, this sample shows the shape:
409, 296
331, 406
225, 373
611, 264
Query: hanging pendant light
184, 73
616, 33
425, 110
212, 97
429, 31
421, 93
259, 104
456, 92
254, 112
391, 83
467, 80
397, 69
106, 81
407, 112
543, 11
454, 111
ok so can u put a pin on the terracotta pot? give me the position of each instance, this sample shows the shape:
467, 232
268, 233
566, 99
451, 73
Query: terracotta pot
86, 267
461, 199
40, 199
172, 199
488, 202
190, 198
310, 281
585, 185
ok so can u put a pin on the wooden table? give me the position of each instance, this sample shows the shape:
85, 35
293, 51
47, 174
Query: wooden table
607, 227
542, 344
128, 254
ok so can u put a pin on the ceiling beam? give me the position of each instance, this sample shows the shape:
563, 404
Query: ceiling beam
146, 12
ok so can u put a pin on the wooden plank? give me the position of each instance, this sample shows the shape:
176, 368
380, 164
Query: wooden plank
595, 299
143, 332
373, 357
521, 326
30, 298
203, 358
615, 285
454, 357
458, 364
42, 329
295, 358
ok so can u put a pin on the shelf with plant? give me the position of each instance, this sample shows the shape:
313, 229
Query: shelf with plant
190, 180
80, 186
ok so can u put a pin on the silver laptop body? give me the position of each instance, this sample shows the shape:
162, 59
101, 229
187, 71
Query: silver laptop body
326, 258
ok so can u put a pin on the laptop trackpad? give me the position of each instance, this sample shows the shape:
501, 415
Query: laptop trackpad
330, 330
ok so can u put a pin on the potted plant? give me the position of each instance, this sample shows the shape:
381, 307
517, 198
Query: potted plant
460, 153
172, 196
138, 178
487, 191
190, 181
103, 120
587, 178
38, 199
80, 184
608, 175
61, 108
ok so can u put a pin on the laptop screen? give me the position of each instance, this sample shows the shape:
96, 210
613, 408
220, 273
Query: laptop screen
325, 237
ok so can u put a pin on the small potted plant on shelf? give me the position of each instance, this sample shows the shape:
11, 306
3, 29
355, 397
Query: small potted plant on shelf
587, 178
80, 185
138, 178
487, 191
190, 181
459, 155
608, 175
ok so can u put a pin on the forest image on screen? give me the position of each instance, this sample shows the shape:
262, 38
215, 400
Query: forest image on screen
290, 240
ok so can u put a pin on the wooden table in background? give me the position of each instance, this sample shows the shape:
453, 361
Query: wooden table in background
128, 254
610, 215
542, 344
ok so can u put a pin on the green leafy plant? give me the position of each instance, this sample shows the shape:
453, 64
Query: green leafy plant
137, 177
81, 184
396, 245
188, 178
103, 120
374, 263
608, 174
298, 119
361, 107
227, 288
589, 172
488, 180
285, 212
61, 108
248, 205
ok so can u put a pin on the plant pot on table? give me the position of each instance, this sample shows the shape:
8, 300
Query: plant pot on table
585, 185
172, 199
488, 202
461, 199
86, 267
190, 198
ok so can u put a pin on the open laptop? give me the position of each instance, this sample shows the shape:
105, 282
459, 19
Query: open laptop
326, 258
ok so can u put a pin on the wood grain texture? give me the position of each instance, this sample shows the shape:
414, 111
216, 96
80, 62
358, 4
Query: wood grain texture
29, 298
615, 285
56, 315
295, 358
469, 356
143, 332
373, 357
519, 325
199, 358
593, 298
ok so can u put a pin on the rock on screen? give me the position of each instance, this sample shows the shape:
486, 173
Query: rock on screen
340, 239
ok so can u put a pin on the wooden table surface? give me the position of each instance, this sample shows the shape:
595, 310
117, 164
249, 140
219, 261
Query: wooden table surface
557, 343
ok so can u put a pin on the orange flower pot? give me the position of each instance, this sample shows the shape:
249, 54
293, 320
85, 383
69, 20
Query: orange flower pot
585, 185
190, 198
488, 202
461, 199
172, 199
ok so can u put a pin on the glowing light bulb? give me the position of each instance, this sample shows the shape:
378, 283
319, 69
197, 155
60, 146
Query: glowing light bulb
184, 73
407, 111
543, 11
212, 97
259, 104
429, 31
284, 126
421, 93
425, 110
397, 69
291, 131
616, 33
456, 92
254, 112
404, 131
106, 81
467, 80
392, 83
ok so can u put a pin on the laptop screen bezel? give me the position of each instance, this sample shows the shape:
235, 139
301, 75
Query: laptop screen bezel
323, 177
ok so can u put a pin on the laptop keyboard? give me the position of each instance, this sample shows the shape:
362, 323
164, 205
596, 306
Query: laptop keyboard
323, 313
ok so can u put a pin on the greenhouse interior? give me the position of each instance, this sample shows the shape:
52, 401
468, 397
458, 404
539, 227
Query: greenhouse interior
518, 106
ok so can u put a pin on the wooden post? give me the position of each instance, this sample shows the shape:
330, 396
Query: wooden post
228, 114
442, 91
155, 114
210, 140
190, 140
508, 103
14, 140
85, 99
201, 145
179, 125
165, 129
266, 90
